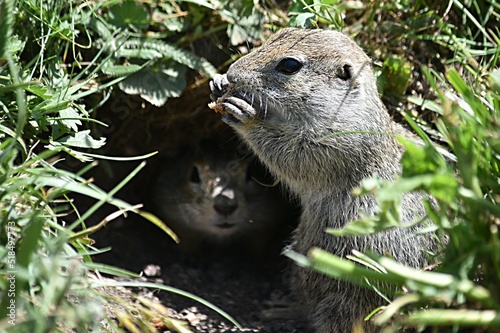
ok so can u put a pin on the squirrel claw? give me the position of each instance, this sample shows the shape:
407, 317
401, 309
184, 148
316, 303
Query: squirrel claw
237, 110
219, 86
234, 110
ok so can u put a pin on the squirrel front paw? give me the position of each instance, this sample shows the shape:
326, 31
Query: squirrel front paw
219, 86
234, 110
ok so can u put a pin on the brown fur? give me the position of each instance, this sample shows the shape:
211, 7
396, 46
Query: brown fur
216, 198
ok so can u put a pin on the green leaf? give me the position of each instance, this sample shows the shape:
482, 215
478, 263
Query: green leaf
140, 53
29, 242
81, 139
120, 70
341, 268
458, 82
129, 14
7, 15
303, 20
495, 80
462, 317
297, 7
71, 120
159, 223
153, 49
366, 225
247, 28
420, 159
71, 185
49, 106
101, 28
156, 85
396, 76
163, 15
11, 133
118, 158
56, 75
444, 187
111, 270
40, 91
426, 104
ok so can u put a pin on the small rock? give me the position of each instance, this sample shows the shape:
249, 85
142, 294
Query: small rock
152, 270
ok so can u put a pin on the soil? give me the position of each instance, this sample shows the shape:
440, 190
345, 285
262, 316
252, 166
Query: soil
247, 287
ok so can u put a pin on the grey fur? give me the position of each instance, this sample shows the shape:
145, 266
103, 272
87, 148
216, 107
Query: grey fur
321, 131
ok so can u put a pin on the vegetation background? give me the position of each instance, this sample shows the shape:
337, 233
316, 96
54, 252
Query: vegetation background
60, 61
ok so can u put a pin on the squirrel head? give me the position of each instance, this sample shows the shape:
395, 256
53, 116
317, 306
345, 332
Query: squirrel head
314, 80
316, 116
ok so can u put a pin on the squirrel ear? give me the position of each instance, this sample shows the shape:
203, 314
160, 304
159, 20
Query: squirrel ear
344, 72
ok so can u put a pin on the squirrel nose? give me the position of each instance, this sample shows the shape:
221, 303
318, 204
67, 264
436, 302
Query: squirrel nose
225, 203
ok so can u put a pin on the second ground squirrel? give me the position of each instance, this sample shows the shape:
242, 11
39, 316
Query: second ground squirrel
217, 199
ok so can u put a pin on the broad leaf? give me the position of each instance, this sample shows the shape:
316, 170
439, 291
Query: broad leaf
129, 14
70, 118
82, 139
151, 49
120, 70
156, 85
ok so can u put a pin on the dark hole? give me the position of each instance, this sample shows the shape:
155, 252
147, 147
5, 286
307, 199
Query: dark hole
257, 172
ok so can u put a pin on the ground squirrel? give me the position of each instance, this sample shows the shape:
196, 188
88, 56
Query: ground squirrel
306, 102
215, 198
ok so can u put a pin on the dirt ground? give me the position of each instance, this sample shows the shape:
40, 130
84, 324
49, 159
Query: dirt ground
246, 287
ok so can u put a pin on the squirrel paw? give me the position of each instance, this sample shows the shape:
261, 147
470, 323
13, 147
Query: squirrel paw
219, 86
236, 111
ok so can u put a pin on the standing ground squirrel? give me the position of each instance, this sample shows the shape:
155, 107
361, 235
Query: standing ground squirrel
306, 102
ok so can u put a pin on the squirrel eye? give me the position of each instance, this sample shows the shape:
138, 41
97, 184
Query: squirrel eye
195, 175
289, 66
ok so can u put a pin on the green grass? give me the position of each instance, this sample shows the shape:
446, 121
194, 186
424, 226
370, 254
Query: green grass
47, 68
55, 55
